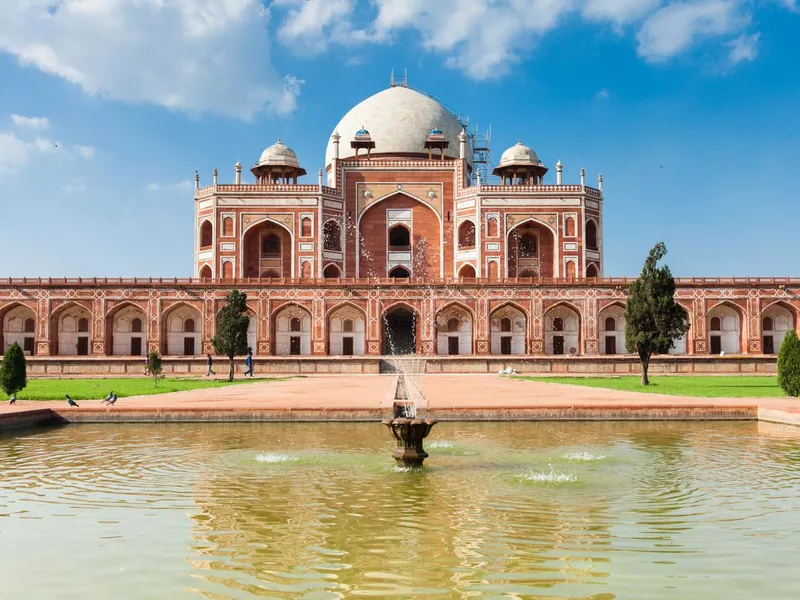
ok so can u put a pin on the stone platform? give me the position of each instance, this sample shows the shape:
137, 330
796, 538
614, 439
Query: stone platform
369, 397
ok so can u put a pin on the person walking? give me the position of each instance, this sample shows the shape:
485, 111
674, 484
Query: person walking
249, 363
209, 362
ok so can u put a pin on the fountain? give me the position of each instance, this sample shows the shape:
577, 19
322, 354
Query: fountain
406, 427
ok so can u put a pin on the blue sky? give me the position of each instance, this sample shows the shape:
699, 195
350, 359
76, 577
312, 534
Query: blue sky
689, 109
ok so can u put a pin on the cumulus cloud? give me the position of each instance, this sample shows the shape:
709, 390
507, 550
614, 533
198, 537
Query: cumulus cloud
195, 55
744, 48
38, 123
18, 149
484, 38
675, 27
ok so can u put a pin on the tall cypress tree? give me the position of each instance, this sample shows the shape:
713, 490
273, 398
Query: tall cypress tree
653, 320
13, 377
789, 364
231, 335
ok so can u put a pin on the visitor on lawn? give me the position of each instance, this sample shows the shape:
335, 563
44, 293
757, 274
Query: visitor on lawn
209, 362
249, 364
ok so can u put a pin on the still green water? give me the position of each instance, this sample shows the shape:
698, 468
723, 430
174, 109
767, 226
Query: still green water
502, 510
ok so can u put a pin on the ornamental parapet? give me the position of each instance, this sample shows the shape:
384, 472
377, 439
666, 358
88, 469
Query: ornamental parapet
532, 189
681, 282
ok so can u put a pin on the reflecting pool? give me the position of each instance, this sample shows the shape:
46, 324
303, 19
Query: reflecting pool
501, 510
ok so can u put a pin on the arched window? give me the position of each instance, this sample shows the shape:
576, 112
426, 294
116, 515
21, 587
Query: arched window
206, 235
591, 235
188, 326
227, 270
347, 326
205, 272
571, 268
716, 324
466, 235
305, 227
591, 271
332, 272
29, 326
136, 325
569, 227
527, 245
558, 324
611, 324
227, 227
305, 270
399, 237
295, 324
769, 324
452, 324
83, 324
399, 273
491, 227
505, 325
270, 245
467, 271
494, 270
332, 236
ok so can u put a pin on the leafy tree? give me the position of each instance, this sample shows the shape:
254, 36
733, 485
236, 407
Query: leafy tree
231, 337
789, 364
653, 320
12, 370
154, 366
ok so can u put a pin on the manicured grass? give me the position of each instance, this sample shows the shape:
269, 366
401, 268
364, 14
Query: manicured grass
93, 389
687, 385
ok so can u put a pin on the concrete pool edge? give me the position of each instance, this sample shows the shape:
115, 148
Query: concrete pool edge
673, 412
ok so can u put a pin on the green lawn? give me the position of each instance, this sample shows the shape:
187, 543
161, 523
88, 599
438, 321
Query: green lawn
687, 385
92, 389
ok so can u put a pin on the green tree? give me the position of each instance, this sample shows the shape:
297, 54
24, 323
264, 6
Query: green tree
12, 370
231, 336
653, 320
789, 364
154, 366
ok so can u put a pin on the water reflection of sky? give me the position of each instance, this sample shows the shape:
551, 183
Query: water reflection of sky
543, 510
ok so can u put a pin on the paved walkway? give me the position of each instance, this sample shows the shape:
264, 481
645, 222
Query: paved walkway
442, 391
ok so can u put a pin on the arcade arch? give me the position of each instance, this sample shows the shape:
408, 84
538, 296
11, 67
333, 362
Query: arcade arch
562, 330
508, 325
292, 331
531, 250
611, 322
776, 320
129, 331
724, 329
73, 331
346, 328
19, 325
182, 330
454, 331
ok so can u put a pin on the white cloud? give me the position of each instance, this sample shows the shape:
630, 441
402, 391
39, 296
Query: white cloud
194, 55
17, 150
744, 48
676, 27
38, 123
310, 24
179, 186
618, 11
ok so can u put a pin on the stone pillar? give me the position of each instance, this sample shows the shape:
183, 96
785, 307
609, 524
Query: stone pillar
154, 324
536, 327
209, 319
264, 329
589, 322
699, 342
426, 330
482, 334
318, 328
99, 327
754, 335
44, 341
374, 327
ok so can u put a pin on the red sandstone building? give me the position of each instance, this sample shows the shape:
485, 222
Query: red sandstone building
399, 246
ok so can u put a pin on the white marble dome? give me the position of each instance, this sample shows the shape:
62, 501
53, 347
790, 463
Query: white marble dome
278, 155
519, 154
399, 120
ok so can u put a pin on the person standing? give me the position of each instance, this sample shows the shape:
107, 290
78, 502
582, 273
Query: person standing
249, 363
209, 362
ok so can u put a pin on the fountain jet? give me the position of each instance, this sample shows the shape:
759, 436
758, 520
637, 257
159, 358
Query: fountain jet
407, 428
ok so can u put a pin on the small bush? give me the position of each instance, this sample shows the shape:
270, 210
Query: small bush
154, 366
13, 378
789, 364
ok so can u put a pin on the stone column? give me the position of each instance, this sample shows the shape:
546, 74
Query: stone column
699, 342
263, 330
373, 327
43, 343
210, 321
754, 335
99, 327
426, 330
318, 328
482, 335
154, 324
536, 327
590, 346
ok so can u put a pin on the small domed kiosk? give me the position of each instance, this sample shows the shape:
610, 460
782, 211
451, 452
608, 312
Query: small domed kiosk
278, 164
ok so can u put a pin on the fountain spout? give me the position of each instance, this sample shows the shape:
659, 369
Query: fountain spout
407, 429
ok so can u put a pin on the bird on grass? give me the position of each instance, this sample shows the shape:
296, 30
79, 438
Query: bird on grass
108, 398
13, 399
113, 400
71, 402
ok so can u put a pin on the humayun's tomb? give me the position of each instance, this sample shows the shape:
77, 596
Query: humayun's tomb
397, 246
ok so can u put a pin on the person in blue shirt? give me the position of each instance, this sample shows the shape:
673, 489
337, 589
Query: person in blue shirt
249, 363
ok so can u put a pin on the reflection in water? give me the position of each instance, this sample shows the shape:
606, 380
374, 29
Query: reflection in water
534, 510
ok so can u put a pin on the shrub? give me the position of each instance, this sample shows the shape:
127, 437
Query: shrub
789, 364
154, 366
12, 370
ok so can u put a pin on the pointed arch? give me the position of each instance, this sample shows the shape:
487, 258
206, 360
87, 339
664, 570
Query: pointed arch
287, 339
332, 236
467, 271
730, 336
401, 328
126, 342
466, 234
508, 329
65, 337
456, 342
184, 338
344, 341
332, 271
205, 272
610, 325
561, 335
206, 230
543, 266
591, 234
11, 332
250, 259
774, 326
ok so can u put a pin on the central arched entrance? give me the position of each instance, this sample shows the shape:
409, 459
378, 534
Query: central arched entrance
399, 331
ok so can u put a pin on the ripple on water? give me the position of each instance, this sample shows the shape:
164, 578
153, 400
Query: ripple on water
584, 456
274, 458
549, 476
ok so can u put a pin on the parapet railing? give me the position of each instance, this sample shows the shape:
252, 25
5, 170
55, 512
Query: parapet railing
387, 281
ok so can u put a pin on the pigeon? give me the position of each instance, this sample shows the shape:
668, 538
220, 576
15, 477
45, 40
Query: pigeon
13, 399
71, 402
113, 400
108, 398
